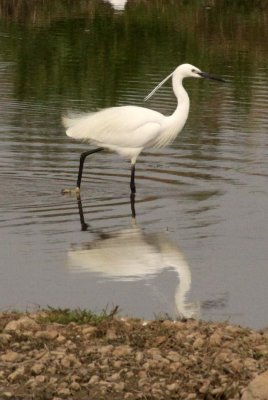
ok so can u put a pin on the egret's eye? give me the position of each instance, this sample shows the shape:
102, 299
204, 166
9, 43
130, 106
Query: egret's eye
193, 70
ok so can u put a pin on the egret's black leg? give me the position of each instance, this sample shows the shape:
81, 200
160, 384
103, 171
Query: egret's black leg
132, 205
81, 165
84, 225
132, 179
79, 178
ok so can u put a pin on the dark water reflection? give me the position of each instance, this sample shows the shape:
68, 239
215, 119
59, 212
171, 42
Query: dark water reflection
203, 200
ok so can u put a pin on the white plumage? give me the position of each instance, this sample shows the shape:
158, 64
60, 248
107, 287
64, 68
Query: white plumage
128, 130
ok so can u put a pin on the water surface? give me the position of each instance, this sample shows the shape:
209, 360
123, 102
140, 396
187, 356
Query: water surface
199, 243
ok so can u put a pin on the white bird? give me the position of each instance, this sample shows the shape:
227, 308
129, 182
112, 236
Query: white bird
128, 130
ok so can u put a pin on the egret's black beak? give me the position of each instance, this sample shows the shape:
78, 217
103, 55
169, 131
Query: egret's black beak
209, 76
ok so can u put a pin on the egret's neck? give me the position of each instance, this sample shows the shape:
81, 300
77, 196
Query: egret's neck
181, 94
180, 115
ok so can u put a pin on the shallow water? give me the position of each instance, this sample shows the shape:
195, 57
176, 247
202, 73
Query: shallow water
199, 244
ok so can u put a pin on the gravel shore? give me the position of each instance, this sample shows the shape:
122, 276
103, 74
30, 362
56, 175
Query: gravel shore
126, 359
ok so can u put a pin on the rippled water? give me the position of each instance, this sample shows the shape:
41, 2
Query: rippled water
199, 243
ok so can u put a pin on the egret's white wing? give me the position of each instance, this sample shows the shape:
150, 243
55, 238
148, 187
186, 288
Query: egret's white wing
127, 126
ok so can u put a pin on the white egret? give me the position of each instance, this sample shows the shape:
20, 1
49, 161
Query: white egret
128, 130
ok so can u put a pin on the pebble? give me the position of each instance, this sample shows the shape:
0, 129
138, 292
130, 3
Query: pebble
257, 389
7, 395
122, 351
173, 386
114, 378
215, 339
105, 349
198, 343
10, 356
119, 387
89, 331
139, 356
37, 368
22, 323
173, 356
17, 374
64, 392
75, 386
111, 334
94, 379
70, 361
5, 338
48, 335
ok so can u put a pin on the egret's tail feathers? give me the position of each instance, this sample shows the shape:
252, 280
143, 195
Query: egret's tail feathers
74, 125
67, 122
74, 118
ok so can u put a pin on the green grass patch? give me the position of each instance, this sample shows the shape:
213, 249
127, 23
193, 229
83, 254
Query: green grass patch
65, 316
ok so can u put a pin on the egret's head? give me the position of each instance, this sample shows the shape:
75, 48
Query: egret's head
190, 71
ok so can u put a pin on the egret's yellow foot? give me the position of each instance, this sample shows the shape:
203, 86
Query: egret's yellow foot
71, 191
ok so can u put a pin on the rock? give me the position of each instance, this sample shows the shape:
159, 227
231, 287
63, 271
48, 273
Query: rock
122, 351
7, 395
250, 364
262, 349
139, 356
154, 352
111, 334
17, 374
89, 331
61, 338
94, 379
5, 338
75, 386
143, 382
257, 389
215, 339
119, 387
160, 340
70, 361
22, 323
180, 337
173, 356
66, 362
173, 386
114, 378
32, 383
48, 335
117, 364
53, 380
37, 368
204, 388
191, 396
64, 392
40, 379
10, 356
175, 366
105, 349
198, 343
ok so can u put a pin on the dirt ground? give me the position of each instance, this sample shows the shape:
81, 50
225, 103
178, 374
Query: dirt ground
129, 359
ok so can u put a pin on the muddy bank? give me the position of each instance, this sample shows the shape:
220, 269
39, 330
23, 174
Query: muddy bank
126, 359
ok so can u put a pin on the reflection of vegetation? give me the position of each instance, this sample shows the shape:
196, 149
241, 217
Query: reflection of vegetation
82, 49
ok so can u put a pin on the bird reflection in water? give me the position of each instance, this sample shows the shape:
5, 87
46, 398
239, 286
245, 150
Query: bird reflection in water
131, 254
